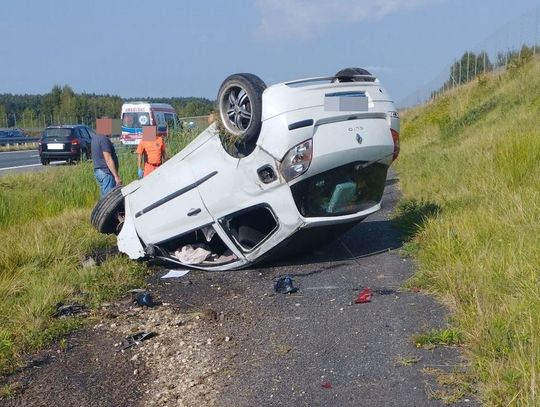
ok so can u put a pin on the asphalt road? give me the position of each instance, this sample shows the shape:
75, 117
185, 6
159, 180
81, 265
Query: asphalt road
22, 161
19, 161
316, 347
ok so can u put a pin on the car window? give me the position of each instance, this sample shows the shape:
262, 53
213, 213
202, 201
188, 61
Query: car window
58, 132
91, 132
85, 134
171, 120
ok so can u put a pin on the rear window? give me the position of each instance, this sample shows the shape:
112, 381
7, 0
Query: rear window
54, 133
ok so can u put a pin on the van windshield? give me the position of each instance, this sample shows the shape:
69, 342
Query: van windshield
135, 119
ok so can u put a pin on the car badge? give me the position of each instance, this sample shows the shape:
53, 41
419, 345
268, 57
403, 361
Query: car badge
359, 138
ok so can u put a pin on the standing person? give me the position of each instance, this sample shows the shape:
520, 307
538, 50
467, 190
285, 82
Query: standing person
105, 164
153, 153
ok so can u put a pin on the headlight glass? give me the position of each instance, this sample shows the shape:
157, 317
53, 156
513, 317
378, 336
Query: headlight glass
297, 160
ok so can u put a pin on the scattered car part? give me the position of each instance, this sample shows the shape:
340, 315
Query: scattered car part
284, 285
136, 339
364, 296
68, 310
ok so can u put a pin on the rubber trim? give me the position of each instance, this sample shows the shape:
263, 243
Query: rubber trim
300, 124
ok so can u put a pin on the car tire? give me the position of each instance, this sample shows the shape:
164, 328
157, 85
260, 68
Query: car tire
240, 106
44, 162
347, 75
107, 216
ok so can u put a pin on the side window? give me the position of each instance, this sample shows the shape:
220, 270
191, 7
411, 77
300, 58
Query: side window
170, 119
77, 133
85, 134
160, 119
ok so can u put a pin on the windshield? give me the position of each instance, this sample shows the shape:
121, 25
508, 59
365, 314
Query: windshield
135, 119
56, 133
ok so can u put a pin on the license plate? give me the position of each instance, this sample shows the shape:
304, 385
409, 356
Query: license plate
55, 146
346, 102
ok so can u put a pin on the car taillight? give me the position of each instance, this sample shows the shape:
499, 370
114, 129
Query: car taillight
395, 137
297, 160
75, 142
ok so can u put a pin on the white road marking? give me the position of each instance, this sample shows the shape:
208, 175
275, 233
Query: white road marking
37, 155
18, 151
19, 166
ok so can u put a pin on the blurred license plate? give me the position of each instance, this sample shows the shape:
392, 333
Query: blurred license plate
55, 146
346, 102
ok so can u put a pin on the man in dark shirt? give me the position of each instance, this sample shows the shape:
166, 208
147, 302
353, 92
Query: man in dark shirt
105, 164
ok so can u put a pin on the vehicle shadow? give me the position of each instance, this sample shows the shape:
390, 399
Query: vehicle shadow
363, 240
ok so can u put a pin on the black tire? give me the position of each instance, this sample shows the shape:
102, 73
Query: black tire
348, 75
240, 105
108, 214
44, 161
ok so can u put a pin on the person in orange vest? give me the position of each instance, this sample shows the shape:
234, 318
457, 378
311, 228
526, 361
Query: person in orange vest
153, 153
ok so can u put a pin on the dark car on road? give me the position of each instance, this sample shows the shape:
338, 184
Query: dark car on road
69, 143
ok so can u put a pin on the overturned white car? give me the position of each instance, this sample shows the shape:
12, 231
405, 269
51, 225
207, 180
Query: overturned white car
289, 167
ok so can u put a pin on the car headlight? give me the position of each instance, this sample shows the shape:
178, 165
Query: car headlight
297, 160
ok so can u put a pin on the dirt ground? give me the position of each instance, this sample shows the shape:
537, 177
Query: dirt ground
227, 339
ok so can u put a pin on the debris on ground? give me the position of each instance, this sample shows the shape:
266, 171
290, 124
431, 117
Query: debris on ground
144, 299
136, 339
364, 296
326, 385
175, 273
68, 310
284, 285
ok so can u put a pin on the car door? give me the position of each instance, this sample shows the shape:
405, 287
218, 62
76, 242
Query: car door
168, 204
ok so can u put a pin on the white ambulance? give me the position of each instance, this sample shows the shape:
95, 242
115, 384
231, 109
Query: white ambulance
137, 114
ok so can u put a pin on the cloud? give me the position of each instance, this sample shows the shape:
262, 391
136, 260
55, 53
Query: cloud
303, 19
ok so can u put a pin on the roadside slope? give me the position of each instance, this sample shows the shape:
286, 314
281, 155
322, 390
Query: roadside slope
469, 169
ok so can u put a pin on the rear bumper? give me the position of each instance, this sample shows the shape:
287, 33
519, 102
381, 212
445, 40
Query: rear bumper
59, 155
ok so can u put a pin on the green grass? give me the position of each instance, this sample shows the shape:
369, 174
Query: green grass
46, 236
470, 175
437, 337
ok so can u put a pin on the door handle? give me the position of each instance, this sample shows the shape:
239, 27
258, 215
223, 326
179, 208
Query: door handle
194, 211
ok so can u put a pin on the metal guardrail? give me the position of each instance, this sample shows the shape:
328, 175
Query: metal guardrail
5, 141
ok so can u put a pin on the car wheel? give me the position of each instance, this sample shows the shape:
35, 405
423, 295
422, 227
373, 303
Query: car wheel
347, 75
240, 105
108, 214
44, 162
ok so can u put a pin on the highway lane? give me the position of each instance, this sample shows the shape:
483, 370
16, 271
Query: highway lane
19, 161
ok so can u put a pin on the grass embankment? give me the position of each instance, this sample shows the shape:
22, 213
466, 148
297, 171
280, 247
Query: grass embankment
46, 236
470, 175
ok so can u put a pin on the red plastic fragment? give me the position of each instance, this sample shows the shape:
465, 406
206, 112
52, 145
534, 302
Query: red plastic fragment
364, 296
326, 385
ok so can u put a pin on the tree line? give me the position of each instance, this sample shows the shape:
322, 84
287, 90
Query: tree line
472, 65
63, 106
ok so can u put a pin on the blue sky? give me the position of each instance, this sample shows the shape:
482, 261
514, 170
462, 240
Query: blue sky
186, 48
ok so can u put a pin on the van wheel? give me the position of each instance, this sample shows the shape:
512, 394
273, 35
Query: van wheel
240, 106
347, 75
109, 213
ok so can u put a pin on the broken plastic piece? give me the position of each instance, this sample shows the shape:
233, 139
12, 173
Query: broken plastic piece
284, 285
144, 300
364, 296
136, 339
326, 385
64, 311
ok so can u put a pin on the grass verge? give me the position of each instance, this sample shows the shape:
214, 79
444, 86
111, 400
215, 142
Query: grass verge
469, 170
46, 237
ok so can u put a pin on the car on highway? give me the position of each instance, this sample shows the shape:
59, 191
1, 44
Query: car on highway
284, 168
69, 143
